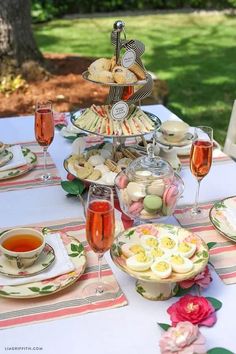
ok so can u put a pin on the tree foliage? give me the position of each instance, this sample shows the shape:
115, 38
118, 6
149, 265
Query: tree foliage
43, 10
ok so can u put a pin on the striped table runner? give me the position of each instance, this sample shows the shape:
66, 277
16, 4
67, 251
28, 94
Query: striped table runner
29, 180
223, 254
68, 302
219, 157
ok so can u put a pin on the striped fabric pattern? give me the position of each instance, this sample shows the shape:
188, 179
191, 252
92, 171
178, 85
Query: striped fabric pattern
218, 158
28, 180
68, 302
223, 254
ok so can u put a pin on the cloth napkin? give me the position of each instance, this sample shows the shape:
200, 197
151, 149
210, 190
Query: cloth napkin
17, 160
61, 265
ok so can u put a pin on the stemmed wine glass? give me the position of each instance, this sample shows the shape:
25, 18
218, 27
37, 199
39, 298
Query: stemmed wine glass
201, 160
100, 230
44, 132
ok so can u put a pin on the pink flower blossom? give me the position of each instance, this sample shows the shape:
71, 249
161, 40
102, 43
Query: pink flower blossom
185, 338
146, 229
59, 118
195, 309
193, 239
203, 279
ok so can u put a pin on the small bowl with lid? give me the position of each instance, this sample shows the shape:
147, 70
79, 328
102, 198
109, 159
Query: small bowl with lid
148, 189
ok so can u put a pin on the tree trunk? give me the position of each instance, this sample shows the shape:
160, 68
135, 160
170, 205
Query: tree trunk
17, 43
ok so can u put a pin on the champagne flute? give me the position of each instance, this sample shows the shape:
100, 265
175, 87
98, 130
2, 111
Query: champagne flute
201, 160
44, 132
100, 230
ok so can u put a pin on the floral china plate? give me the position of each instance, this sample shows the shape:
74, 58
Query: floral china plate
223, 217
45, 260
31, 160
149, 284
77, 255
133, 235
5, 157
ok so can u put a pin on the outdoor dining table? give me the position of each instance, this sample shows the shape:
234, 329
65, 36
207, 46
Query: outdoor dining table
129, 329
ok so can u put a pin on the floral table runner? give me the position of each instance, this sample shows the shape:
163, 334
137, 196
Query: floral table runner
68, 302
28, 180
223, 254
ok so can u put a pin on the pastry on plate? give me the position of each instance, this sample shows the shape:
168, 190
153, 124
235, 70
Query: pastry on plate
123, 76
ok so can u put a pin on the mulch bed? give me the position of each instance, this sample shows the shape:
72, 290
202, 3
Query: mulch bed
65, 88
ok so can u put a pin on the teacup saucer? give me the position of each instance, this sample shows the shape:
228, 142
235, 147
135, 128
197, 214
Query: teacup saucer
44, 261
186, 141
5, 157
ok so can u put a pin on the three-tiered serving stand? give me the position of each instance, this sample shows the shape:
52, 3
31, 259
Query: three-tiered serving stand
122, 95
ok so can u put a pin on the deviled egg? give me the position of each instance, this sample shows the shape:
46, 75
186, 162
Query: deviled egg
168, 244
130, 249
157, 253
162, 268
181, 264
140, 262
149, 242
186, 249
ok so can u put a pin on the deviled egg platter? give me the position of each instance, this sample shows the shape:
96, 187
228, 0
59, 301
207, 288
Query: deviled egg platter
159, 256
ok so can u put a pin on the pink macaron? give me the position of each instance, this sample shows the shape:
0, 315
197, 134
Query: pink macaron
135, 208
170, 198
122, 181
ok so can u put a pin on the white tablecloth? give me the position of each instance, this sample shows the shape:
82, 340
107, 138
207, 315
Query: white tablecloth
131, 329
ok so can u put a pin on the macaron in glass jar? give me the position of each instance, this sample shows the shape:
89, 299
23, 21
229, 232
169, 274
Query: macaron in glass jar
148, 189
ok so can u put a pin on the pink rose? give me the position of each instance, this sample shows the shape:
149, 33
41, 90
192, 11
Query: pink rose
185, 338
203, 279
195, 309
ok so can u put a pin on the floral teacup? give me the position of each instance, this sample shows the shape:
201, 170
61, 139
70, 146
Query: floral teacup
22, 246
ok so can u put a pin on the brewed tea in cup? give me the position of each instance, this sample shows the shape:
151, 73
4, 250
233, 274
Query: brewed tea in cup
22, 246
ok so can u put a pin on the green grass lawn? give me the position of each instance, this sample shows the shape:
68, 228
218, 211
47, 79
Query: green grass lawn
195, 53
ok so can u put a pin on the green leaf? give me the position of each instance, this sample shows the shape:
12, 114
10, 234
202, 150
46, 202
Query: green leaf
77, 248
215, 303
60, 126
199, 261
182, 291
25, 151
219, 351
47, 287
3, 292
140, 289
71, 137
73, 254
44, 292
205, 254
164, 326
74, 187
210, 245
116, 249
219, 205
13, 173
129, 234
34, 289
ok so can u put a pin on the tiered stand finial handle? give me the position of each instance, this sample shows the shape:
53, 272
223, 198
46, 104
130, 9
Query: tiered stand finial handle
118, 28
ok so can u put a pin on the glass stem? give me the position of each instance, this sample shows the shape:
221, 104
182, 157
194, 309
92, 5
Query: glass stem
99, 289
195, 207
45, 160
